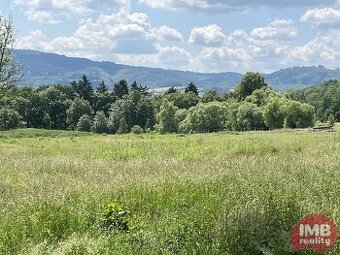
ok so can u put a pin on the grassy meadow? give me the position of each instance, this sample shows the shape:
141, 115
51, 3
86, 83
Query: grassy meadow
222, 193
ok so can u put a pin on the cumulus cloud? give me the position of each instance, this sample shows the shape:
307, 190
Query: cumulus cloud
173, 56
243, 51
322, 17
324, 49
210, 35
119, 33
165, 57
52, 11
230, 5
94, 38
166, 33
278, 29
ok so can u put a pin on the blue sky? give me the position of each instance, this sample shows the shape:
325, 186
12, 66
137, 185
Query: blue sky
195, 35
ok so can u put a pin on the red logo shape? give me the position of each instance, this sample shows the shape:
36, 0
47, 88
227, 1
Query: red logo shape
314, 232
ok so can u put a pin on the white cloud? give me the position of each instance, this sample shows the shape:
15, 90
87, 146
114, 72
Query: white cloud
244, 51
322, 17
100, 39
324, 49
230, 5
172, 56
165, 57
94, 38
52, 11
278, 29
167, 34
210, 35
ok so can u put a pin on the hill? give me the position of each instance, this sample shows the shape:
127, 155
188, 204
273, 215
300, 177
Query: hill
42, 68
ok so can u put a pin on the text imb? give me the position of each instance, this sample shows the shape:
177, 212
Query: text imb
314, 232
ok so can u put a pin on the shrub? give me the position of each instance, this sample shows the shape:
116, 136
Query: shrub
9, 119
114, 217
100, 123
137, 130
84, 124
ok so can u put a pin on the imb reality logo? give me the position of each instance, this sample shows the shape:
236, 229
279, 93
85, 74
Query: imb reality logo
314, 232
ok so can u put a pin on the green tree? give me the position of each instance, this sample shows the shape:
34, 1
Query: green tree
78, 108
249, 117
143, 90
102, 88
84, 124
211, 96
136, 109
274, 113
123, 127
100, 123
170, 91
206, 118
261, 96
299, 115
85, 89
103, 102
183, 100
121, 89
166, 118
37, 115
249, 83
191, 87
232, 116
56, 106
9, 119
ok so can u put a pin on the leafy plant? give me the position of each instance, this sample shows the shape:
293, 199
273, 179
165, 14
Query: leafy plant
115, 217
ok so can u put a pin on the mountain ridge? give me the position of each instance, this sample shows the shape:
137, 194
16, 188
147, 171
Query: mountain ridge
42, 68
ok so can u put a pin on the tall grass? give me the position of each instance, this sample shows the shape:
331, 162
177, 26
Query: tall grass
219, 193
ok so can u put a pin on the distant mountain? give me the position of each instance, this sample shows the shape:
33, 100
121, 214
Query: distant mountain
42, 68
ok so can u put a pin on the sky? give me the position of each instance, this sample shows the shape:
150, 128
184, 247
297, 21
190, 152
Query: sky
189, 35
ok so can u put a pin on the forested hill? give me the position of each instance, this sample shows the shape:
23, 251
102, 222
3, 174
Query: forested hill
47, 68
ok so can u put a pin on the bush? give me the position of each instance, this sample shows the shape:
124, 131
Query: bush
114, 217
9, 119
100, 123
84, 124
137, 130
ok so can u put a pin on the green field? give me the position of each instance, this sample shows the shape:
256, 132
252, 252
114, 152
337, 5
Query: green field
223, 193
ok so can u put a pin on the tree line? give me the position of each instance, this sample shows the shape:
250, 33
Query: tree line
125, 108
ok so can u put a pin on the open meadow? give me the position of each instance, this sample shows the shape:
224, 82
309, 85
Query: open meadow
223, 193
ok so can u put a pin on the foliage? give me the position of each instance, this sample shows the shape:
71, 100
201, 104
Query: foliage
274, 113
325, 98
166, 118
100, 123
137, 130
9, 119
211, 96
205, 118
84, 124
299, 115
123, 127
121, 89
249, 117
114, 217
183, 100
191, 88
78, 107
249, 83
